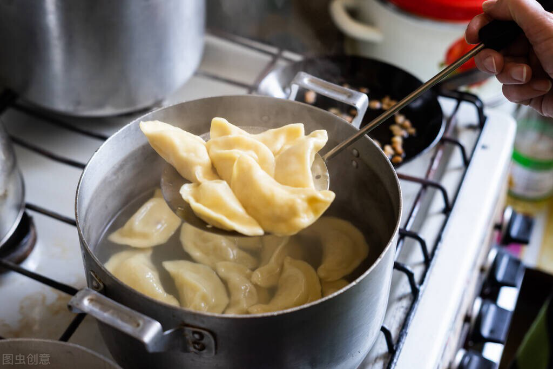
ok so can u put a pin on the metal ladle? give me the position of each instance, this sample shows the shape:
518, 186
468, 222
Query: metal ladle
496, 35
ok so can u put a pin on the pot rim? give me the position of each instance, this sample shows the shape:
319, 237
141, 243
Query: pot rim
84, 242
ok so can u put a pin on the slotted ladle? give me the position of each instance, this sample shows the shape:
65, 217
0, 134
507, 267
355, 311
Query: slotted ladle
496, 35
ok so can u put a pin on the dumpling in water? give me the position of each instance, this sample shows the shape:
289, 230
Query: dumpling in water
298, 285
199, 286
184, 151
215, 203
224, 151
243, 293
344, 247
209, 249
275, 139
281, 210
330, 287
153, 224
293, 164
135, 269
272, 257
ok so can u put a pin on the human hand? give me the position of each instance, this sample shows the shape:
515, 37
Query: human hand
525, 68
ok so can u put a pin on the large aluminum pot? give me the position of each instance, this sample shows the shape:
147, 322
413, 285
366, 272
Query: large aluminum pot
334, 332
101, 57
12, 192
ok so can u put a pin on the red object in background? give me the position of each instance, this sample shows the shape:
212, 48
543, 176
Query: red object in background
458, 49
448, 10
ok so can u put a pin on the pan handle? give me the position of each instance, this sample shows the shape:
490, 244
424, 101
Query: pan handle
351, 27
141, 327
348, 96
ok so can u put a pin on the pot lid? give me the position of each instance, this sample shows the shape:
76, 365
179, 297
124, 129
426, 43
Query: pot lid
448, 10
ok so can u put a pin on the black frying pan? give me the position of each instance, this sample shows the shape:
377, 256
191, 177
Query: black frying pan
381, 79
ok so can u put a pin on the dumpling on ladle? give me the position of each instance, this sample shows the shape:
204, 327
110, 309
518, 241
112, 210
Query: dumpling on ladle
281, 210
136, 270
298, 285
186, 152
275, 139
216, 204
151, 225
199, 286
224, 151
293, 164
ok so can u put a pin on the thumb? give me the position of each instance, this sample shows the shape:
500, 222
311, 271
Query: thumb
536, 23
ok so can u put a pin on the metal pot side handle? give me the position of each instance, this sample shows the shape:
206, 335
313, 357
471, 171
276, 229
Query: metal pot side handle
345, 95
141, 327
350, 26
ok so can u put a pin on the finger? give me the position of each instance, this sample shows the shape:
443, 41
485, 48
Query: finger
525, 102
489, 61
515, 74
471, 34
544, 104
530, 90
498, 9
536, 23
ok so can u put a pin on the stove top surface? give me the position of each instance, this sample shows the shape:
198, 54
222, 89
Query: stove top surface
52, 151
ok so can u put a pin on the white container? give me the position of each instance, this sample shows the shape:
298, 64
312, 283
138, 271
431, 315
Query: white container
383, 31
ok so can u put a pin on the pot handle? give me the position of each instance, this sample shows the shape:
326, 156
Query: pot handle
350, 26
348, 96
141, 327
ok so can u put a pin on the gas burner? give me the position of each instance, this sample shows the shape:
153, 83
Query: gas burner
19, 246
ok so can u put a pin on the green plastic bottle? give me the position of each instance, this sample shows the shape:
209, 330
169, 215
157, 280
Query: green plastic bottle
531, 172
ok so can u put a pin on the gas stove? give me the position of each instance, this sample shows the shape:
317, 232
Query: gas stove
453, 197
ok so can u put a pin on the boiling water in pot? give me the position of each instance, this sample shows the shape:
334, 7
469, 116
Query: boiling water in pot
303, 246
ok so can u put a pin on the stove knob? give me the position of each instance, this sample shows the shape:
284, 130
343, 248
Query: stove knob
472, 360
507, 270
516, 227
492, 323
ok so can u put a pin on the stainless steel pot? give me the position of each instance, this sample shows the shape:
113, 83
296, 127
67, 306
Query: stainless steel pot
334, 332
12, 191
102, 57
28, 353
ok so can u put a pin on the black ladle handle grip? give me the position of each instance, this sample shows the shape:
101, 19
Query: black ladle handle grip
497, 34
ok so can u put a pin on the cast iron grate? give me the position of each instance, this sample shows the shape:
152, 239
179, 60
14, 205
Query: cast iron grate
8, 100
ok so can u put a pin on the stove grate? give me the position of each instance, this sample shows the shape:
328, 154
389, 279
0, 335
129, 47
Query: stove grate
8, 100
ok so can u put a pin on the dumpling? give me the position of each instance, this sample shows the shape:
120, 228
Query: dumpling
297, 285
209, 248
330, 287
344, 247
243, 293
136, 270
272, 257
184, 151
275, 139
199, 286
216, 204
153, 224
250, 243
281, 210
224, 151
293, 164
278, 138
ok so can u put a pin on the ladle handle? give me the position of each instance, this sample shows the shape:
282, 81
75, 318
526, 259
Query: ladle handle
348, 96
